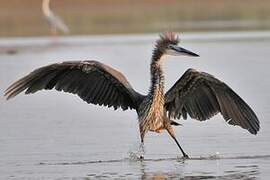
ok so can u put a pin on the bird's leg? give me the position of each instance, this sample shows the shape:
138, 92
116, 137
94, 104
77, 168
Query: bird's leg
141, 151
171, 132
53, 32
141, 148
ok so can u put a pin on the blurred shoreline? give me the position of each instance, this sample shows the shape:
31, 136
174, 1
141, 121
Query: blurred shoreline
14, 45
24, 18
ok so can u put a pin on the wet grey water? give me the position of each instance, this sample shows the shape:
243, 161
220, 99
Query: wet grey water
52, 135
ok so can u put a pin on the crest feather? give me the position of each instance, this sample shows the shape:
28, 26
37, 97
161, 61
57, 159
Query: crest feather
167, 38
171, 36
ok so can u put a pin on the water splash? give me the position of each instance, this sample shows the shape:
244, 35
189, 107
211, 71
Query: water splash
215, 156
138, 153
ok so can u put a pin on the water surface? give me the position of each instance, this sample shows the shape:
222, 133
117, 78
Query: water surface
55, 135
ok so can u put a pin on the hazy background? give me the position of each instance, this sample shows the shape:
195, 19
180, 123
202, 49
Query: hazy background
53, 135
24, 17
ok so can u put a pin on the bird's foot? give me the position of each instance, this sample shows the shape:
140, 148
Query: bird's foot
185, 156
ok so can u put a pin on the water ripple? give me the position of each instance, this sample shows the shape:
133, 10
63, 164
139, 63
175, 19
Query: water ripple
180, 159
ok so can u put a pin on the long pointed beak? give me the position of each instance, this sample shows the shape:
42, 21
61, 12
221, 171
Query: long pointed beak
181, 51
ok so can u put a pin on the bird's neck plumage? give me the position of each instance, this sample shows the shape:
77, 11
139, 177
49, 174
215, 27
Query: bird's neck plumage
46, 7
151, 114
157, 76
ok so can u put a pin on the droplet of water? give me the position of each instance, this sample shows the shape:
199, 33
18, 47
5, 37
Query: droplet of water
138, 154
215, 156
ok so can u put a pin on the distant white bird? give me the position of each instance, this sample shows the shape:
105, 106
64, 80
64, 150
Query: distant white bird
55, 23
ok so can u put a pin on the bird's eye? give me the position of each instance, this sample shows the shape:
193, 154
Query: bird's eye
169, 46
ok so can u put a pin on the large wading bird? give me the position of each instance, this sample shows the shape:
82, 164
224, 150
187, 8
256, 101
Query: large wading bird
54, 22
197, 94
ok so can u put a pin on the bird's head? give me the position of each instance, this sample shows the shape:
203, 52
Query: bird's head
167, 44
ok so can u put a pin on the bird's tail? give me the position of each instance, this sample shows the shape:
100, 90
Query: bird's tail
175, 123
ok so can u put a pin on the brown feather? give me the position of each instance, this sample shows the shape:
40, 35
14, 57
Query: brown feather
91, 80
202, 96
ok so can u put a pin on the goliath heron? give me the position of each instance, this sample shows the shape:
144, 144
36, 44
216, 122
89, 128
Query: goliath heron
55, 23
197, 94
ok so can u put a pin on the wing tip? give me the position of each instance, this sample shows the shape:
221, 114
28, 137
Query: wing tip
9, 95
255, 130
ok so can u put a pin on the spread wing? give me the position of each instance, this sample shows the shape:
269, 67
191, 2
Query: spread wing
92, 81
201, 96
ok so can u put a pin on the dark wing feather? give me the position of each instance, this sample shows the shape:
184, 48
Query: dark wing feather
202, 96
92, 81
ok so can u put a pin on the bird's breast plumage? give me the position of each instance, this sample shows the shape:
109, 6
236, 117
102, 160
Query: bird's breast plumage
151, 112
